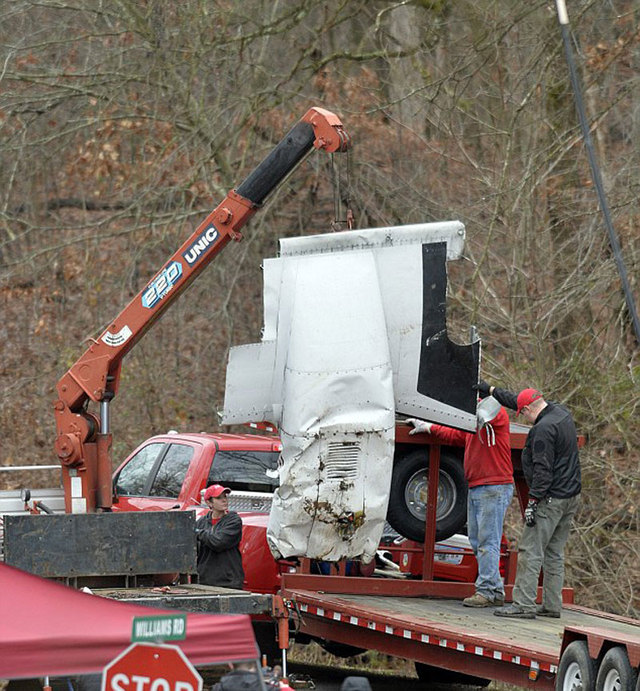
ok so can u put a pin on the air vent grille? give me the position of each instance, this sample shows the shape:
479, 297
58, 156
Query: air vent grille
342, 461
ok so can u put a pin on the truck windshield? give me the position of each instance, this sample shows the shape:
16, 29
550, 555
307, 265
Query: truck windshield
249, 471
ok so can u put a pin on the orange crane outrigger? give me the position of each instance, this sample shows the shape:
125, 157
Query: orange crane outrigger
83, 441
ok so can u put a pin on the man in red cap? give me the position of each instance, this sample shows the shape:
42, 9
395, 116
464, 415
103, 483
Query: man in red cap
551, 466
219, 533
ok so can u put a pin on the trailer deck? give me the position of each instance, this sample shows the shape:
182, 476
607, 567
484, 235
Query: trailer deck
443, 633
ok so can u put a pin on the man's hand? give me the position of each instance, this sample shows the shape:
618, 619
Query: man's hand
418, 426
482, 388
530, 512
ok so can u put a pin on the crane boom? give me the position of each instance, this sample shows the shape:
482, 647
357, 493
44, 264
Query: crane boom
83, 439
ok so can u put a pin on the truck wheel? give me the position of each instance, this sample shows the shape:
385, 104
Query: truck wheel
616, 673
576, 671
408, 498
436, 675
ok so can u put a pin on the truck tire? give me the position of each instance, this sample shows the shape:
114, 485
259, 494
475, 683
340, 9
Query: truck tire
436, 675
616, 673
408, 496
576, 669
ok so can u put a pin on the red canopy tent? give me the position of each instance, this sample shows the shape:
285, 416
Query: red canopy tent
49, 629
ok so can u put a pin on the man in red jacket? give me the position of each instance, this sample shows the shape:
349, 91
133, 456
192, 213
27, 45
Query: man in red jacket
489, 473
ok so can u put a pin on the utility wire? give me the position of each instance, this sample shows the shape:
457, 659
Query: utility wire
563, 18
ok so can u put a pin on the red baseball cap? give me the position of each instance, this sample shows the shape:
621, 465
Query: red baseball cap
527, 397
214, 491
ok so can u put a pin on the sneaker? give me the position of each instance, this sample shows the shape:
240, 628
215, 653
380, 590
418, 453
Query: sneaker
477, 600
514, 612
498, 601
542, 612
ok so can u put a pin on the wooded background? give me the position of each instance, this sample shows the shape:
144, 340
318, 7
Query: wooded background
123, 123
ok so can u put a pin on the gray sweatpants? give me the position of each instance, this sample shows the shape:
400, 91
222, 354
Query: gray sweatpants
542, 547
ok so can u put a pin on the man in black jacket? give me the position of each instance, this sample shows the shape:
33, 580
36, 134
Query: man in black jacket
551, 467
219, 533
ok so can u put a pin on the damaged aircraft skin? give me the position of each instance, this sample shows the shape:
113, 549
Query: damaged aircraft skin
354, 333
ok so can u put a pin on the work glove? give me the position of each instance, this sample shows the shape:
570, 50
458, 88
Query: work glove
418, 426
530, 512
482, 388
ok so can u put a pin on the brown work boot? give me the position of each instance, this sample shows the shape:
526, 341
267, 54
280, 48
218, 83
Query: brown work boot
477, 600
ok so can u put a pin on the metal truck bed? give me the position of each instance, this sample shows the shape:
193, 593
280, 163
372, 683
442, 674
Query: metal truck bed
193, 598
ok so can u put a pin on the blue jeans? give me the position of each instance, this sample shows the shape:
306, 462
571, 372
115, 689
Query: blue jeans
486, 508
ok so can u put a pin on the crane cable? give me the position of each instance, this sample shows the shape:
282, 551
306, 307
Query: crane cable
563, 18
339, 198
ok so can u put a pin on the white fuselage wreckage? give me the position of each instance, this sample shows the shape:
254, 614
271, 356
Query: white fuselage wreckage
354, 332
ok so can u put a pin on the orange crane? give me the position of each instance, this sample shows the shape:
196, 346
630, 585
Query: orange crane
83, 440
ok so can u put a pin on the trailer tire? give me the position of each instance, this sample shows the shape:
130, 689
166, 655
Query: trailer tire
436, 675
576, 670
407, 499
616, 673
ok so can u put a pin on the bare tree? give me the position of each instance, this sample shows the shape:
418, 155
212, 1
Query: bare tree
123, 123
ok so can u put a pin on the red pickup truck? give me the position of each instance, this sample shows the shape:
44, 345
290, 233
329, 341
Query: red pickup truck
170, 471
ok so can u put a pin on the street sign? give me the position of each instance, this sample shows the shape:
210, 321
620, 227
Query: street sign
158, 628
146, 667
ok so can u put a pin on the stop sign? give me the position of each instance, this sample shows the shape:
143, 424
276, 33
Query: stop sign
146, 667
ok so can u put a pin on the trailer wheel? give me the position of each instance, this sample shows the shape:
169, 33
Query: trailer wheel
436, 675
616, 673
408, 498
576, 671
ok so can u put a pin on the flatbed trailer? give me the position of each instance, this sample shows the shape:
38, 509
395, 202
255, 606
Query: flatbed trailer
423, 619
441, 633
